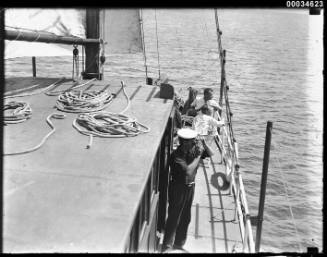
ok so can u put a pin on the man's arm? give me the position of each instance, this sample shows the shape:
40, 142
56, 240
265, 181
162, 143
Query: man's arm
189, 169
217, 123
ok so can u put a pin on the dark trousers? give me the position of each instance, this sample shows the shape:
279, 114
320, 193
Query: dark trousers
179, 214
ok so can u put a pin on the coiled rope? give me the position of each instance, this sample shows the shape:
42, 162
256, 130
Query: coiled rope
109, 124
21, 111
53, 115
81, 102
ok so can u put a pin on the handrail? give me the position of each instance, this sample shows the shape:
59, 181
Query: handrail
236, 182
247, 215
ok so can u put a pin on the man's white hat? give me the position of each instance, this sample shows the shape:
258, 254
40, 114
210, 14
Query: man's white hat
187, 133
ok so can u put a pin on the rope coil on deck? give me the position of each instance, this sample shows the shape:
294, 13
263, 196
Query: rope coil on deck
109, 124
81, 102
21, 111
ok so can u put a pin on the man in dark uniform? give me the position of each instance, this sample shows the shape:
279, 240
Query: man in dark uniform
183, 167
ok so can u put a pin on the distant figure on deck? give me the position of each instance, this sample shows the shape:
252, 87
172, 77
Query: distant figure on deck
183, 167
207, 99
206, 126
191, 98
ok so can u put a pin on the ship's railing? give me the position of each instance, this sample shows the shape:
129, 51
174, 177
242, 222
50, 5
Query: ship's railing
241, 214
229, 148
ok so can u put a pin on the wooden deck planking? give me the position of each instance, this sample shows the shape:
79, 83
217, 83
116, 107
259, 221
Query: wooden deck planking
64, 197
217, 230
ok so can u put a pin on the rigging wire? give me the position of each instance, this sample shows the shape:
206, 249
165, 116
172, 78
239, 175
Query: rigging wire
285, 184
220, 48
83, 65
102, 46
223, 80
213, 62
155, 15
75, 62
143, 44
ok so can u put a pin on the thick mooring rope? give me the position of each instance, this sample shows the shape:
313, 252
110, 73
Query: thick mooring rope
82, 102
21, 111
109, 124
53, 115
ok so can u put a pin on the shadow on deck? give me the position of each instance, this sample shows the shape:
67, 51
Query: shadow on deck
213, 228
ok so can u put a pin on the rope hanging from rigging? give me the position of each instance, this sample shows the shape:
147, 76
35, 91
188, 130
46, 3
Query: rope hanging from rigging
102, 60
102, 45
75, 62
20, 112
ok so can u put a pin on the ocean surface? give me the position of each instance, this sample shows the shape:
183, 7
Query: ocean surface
274, 71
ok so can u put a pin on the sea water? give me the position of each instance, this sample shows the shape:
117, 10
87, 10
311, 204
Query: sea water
274, 72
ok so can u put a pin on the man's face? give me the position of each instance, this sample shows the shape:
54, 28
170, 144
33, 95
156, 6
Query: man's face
208, 95
187, 143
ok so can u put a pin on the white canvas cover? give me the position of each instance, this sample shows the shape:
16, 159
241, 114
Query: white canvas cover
121, 30
63, 22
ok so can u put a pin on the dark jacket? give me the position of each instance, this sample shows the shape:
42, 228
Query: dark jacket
178, 166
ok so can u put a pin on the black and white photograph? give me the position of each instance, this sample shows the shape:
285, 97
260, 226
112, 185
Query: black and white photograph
163, 130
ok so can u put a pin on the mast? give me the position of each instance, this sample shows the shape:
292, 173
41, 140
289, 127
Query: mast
92, 67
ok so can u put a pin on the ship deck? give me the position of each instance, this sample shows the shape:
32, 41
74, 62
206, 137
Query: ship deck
214, 227
64, 197
81, 198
